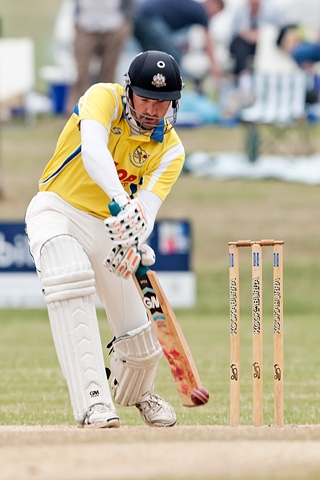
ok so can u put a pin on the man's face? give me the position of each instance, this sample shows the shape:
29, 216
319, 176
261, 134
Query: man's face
149, 112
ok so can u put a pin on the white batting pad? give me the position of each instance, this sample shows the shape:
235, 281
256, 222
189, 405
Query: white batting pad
67, 281
134, 364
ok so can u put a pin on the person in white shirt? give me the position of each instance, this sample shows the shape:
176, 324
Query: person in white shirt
101, 30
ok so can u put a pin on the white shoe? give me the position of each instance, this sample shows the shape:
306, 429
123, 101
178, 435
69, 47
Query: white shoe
156, 412
100, 415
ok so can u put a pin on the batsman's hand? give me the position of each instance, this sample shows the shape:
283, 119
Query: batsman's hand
148, 256
128, 227
124, 261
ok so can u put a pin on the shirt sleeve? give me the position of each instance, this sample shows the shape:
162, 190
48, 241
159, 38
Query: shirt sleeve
100, 103
97, 159
151, 204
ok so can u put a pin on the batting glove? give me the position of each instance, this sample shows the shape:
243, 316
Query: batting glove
124, 261
148, 257
128, 227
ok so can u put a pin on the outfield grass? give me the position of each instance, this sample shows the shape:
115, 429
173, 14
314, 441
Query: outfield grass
220, 211
36, 393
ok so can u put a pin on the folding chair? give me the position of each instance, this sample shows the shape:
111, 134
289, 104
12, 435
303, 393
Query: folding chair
279, 106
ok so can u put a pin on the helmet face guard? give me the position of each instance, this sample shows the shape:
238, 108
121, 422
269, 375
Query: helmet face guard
154, 75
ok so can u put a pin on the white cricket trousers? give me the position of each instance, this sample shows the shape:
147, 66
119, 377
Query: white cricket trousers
47, 216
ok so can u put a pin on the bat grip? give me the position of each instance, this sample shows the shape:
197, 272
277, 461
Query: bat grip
114, 209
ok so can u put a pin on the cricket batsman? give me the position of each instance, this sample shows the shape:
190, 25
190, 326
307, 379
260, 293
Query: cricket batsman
118, 145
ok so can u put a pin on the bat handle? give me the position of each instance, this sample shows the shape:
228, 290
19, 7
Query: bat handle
114, 209
141, 270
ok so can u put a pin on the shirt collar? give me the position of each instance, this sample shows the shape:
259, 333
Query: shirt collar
158, 131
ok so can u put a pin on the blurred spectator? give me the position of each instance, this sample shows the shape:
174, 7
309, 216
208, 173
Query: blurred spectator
292, 39
102, 28
248, 18
158, 22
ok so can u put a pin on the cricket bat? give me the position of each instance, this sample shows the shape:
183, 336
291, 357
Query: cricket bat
170, 335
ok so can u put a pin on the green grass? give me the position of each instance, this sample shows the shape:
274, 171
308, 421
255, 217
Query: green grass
219, 211
36, 393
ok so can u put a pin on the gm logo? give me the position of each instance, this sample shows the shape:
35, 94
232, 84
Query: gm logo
151, 303
94, 393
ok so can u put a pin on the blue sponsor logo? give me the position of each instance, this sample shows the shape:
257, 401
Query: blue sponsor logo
14, 249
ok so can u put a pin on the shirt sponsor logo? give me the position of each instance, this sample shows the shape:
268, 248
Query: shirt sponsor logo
125, 177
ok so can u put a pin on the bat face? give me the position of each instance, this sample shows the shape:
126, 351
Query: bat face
170, 336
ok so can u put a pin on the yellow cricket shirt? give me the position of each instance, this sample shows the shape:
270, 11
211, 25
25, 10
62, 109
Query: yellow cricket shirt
152, 162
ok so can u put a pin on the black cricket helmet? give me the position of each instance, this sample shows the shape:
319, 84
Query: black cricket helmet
156, 75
